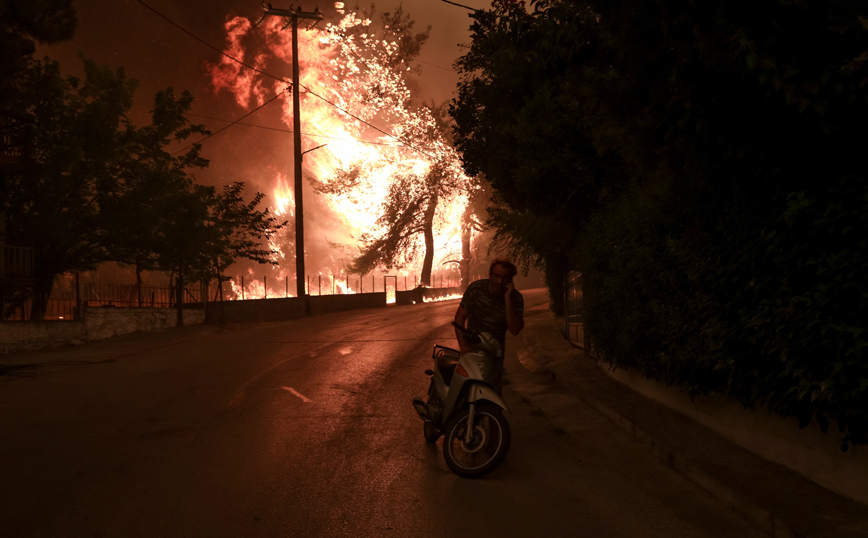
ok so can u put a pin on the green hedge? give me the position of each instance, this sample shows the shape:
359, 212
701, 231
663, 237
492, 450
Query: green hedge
765, 306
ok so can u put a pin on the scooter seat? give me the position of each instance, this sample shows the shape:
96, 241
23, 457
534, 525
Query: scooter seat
446, 359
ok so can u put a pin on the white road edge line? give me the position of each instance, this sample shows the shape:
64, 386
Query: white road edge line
304, 398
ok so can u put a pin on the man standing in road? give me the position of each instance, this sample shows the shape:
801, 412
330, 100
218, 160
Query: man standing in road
492, 305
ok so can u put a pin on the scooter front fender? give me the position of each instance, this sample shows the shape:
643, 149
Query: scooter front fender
483, 392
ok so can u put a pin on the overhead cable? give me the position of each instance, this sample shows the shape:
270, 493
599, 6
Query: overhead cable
284, 130
278, 94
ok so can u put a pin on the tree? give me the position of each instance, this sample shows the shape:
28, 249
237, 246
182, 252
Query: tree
704, 158
359, 79
77, 126
520, 120
46, 21
407, 212
423, 175
238, 230
104, 189
410, 207
210, 230
152, 207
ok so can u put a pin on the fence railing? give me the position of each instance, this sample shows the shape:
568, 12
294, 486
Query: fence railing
64, 300
245, 288
573, 316
17, 262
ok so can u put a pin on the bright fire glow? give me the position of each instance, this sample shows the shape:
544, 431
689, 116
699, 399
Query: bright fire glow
349, 64
444, 298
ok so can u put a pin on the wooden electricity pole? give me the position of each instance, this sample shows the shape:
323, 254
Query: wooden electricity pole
292, 16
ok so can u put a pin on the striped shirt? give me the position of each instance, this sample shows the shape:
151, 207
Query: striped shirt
487, 313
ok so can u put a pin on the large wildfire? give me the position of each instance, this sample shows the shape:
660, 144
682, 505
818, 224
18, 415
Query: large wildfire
357, 103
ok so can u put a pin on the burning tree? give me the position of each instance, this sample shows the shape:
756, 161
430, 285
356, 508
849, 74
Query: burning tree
426, 187
389, 169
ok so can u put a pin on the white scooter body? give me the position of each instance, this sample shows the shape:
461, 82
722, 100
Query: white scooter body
482, 367
462, 386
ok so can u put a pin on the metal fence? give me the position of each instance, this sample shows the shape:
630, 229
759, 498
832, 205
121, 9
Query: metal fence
64, 302
573, 308
17, 305
246, 288
17, 262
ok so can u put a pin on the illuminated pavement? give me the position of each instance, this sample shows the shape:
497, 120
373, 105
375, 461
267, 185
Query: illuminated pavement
304, 428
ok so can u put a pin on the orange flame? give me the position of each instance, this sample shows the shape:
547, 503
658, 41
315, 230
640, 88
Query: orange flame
346, 64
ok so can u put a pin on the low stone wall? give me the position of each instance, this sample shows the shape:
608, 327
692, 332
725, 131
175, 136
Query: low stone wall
98, 323
255, 310
25, 335
339, 303
107, 322
290, 308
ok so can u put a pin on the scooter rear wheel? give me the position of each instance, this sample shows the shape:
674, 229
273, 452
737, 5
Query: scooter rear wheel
487, 448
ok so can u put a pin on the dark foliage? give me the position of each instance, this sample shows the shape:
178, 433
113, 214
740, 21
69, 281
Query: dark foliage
706, 158
102, 189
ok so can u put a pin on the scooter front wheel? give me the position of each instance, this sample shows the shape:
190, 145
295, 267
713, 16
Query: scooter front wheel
487, 447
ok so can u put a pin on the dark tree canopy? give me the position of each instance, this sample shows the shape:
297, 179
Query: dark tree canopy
47, 21
102, 189
704, 160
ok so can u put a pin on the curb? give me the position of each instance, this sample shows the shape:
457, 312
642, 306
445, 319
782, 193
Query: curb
759, 516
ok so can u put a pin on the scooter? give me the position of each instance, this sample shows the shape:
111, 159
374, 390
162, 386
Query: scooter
464, 407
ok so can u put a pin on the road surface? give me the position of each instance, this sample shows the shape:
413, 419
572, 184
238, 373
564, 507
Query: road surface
304, 428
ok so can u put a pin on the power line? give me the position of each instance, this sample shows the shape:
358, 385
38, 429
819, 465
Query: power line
283, 130
461, 5
435, 65
347, 112
278, 94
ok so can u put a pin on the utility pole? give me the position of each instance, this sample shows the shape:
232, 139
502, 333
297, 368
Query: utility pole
292, 16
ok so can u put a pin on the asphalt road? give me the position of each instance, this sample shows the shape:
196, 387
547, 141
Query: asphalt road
304, 429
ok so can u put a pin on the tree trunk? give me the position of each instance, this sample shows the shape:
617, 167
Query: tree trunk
428, 262
466, 236
222, 308
139, 283
41, 294
180, 296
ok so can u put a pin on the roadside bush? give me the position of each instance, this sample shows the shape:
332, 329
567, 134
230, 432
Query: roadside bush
763, 307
